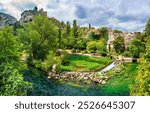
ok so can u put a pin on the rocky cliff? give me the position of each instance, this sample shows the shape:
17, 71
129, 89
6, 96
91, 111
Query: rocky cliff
6, 20
28, 15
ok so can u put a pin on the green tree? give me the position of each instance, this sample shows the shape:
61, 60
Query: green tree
93, 36
41, 36
59, 37
142, 82
75, 29
81, 43
95, 47
119, 44
11, 69
136, 47
104, 33
66, 35
147, 29
89, 26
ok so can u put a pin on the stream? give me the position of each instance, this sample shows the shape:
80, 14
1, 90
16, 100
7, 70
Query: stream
107, 68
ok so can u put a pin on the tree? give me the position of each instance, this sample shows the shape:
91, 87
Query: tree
93, 36
75, 29
142, 82
95, 47
59, 37
136, 47
119, 44
89, 26
11, 69
104, 33
147, 29
66, 35
81, 44
41, 36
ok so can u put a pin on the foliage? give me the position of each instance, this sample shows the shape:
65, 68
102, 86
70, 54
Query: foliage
120, 82
40, 35
147, 29
74, 29
136, 47
81, 43
65, 59
142, 86
104, 33
66, 36
117, 31
11, 69
40, 39
96, 47
93, 36
119, 44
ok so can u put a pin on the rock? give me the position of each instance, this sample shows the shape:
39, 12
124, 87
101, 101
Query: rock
54, 68
6, 20
85, 78
100, 81
106, 78
49, 77
28, 15
103, 82
117, 70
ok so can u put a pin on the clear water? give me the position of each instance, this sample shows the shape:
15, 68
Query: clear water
109, 67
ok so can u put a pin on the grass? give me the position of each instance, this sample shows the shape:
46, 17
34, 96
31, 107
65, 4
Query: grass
86, 63
119, 85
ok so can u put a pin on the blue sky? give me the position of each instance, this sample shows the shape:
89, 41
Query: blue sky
126, 15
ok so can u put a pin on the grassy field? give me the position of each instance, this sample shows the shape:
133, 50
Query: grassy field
86, 63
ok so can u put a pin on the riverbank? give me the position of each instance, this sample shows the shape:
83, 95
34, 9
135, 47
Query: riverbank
118, 85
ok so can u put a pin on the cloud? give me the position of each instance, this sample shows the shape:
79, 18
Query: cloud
81, 12
126, 15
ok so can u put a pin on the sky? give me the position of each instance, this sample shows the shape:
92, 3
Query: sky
126, 15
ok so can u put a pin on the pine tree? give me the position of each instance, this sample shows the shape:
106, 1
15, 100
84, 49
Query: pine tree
75, 29
89, 26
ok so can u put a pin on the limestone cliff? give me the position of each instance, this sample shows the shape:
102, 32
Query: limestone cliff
28, 15
6, 20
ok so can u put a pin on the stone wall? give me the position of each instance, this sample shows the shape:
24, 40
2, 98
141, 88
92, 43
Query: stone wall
112, 35
92, 76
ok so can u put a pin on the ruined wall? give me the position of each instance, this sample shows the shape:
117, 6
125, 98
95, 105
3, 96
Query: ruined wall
112, 35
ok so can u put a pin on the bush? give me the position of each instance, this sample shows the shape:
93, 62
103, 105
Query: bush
73, 50
84, 52
126, 54
65, 59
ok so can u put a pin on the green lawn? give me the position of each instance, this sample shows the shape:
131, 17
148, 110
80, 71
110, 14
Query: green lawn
86, 63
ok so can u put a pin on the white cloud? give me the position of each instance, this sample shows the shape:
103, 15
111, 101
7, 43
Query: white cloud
130, 15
